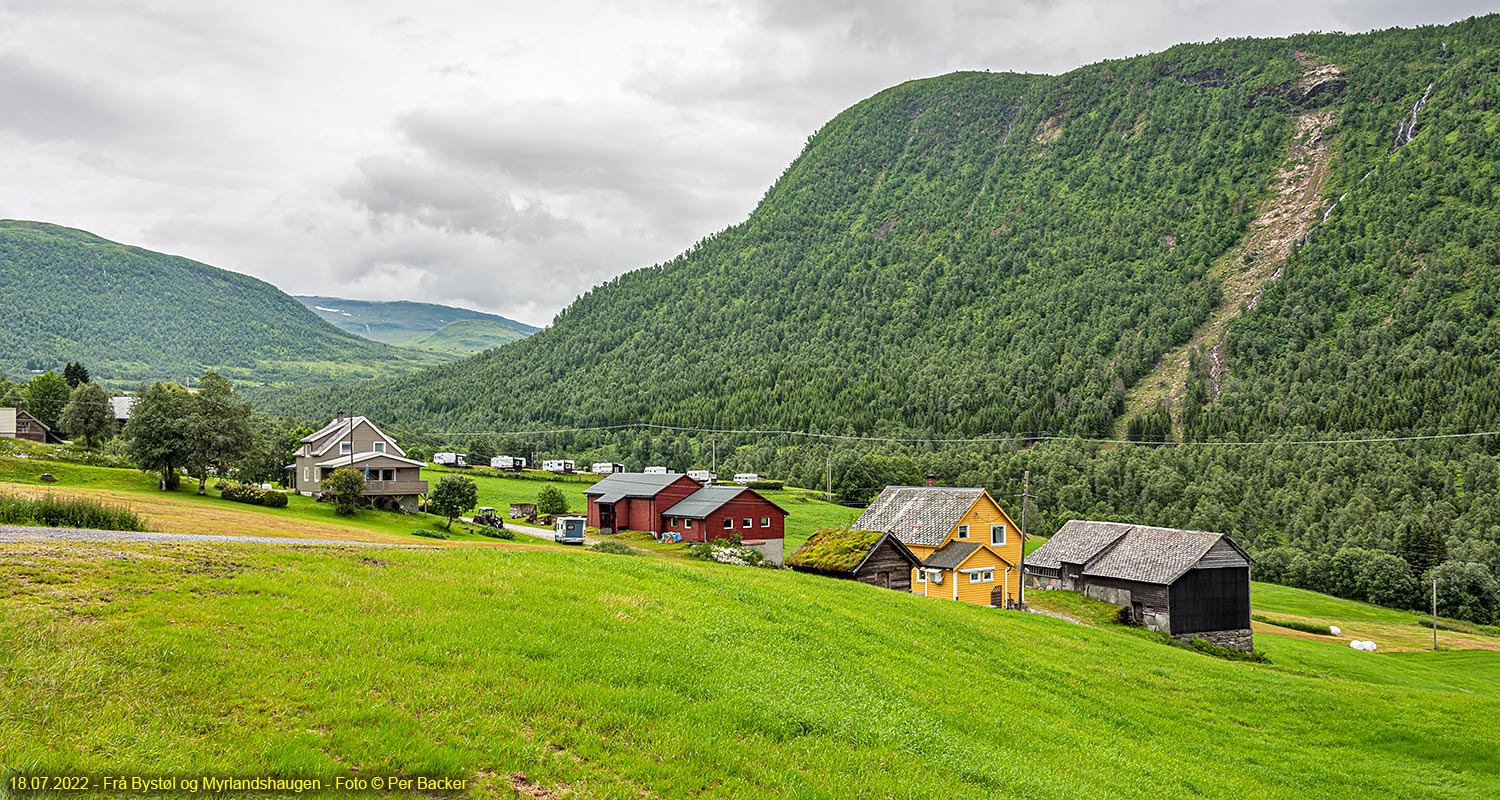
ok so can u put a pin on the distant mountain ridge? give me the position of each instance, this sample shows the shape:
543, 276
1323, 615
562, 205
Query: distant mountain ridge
405, 321
131, 314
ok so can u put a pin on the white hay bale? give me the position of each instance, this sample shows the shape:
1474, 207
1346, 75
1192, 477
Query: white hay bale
1334, 629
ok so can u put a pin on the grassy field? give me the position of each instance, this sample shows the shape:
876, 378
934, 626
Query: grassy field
538, 672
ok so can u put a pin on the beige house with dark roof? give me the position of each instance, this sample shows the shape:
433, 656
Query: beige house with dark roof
391, 479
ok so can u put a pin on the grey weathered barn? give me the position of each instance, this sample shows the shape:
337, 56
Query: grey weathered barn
1188, 584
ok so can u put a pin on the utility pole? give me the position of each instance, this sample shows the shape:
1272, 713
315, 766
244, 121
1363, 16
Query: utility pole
828, 476
1025, 497
1434, 614
715, 466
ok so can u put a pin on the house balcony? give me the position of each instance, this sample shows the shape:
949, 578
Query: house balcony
374, 488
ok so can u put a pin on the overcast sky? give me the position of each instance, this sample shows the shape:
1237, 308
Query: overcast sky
500, 156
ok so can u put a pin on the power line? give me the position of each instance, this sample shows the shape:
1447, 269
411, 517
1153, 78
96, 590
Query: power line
1023, 438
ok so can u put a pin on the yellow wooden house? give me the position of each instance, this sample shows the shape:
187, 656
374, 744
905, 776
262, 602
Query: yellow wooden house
970, 549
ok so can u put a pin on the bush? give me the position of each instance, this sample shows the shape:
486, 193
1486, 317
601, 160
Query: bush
67, 512
346, 486
1466, 591
429, 534
1206, 647
551, 500
614, 548
274, 500
726, 551
242, 493
768, 485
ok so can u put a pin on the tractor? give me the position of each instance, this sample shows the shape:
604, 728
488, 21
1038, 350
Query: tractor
487, 516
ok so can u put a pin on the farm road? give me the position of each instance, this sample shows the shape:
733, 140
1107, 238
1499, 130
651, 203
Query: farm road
12, 534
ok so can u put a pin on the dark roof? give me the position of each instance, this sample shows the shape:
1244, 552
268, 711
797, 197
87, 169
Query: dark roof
1076, 542
918, 514
631, 484
952, 554
709, 499
843, 551
1134, 553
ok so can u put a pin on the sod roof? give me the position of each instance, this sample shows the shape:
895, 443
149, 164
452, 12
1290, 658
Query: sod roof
834, 550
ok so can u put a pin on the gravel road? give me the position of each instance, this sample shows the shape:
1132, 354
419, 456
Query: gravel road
11, 534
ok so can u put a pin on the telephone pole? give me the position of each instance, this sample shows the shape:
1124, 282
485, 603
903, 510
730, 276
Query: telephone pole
828, 476
1434, 614
1025, 498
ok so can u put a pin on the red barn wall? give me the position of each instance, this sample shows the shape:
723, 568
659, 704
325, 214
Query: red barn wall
746, 505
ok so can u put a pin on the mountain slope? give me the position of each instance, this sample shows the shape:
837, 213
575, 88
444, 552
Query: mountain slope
980, 254
467, 336
131, 314
399, 322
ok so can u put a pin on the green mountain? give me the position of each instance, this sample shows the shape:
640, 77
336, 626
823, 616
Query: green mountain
1251, 239
130, 315
403, 322
468, 336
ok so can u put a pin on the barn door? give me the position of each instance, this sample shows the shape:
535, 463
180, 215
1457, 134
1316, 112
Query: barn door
883, 580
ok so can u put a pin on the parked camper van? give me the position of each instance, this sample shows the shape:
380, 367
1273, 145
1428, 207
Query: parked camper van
569, 530
702, 476
450, 459
607, 468
746, 477
657, 471
558, 465
510, 463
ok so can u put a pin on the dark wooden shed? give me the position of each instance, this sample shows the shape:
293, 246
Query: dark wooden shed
872, 557
1188, 584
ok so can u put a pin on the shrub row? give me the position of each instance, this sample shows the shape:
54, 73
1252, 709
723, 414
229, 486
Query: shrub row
768, 485
1296, 625
430, 534
252, 494
67, 512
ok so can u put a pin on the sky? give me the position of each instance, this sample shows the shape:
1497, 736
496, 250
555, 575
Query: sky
496, 155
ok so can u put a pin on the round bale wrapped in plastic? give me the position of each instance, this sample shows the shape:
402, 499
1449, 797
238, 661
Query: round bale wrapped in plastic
1334, 629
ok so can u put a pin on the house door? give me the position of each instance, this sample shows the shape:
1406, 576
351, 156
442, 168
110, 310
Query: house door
883, 580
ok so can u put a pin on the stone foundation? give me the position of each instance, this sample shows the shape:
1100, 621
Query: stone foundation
1238, 639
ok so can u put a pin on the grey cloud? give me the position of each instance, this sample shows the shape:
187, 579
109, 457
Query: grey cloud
48, 105
446, 200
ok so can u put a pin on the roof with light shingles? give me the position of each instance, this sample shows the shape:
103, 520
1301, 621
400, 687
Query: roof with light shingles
918, 514
1133, 552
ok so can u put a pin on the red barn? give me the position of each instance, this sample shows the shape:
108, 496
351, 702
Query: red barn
635, 501
718, 512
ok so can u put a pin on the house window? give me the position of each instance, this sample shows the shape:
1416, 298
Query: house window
728, 523
745, 523
380, 447
307, 474
963, 531
687, 523
674, 522
345, 448
23, 427
765, 522
921, 575
387, 474
997, 533
982, 576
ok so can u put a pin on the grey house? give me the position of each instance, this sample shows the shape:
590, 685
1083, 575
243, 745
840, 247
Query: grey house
391, 479
1188, 584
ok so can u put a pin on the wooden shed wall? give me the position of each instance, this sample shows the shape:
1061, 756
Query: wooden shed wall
888, 561
1211, 600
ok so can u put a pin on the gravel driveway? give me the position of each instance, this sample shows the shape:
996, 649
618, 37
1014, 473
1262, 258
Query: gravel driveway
11, 534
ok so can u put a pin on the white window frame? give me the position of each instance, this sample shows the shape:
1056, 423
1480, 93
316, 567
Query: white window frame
765, 522
921, 575
974, 577
688, 524
346, 448
380, 447
307, 475
729, 523
674, 522
1004, 533
745, 523
963, 532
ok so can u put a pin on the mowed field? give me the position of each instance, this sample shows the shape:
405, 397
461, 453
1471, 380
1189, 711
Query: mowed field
569, 673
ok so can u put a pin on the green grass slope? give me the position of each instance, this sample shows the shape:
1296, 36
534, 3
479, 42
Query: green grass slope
468, 336
401, 321
130, 314
607, 676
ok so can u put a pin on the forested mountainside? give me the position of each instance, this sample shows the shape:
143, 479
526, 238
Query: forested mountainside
130, 314
404, 321
992, 255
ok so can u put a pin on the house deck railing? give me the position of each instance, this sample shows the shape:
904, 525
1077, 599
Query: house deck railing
395, 487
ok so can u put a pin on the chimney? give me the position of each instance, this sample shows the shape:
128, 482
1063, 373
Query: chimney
931, 480
20, 405
340, 416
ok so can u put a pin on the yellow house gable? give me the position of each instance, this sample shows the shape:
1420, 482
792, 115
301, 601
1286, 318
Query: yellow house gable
995, 564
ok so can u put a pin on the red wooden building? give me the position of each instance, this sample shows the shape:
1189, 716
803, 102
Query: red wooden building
719, 512
635, 501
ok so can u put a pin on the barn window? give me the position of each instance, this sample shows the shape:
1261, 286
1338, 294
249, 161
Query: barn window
745, 523
674, 522
765, 522
997, 533
963, 531
687, 523
728, 523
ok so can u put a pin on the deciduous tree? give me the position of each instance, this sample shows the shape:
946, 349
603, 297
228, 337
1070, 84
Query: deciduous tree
89, 414
451, 497
345, 485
